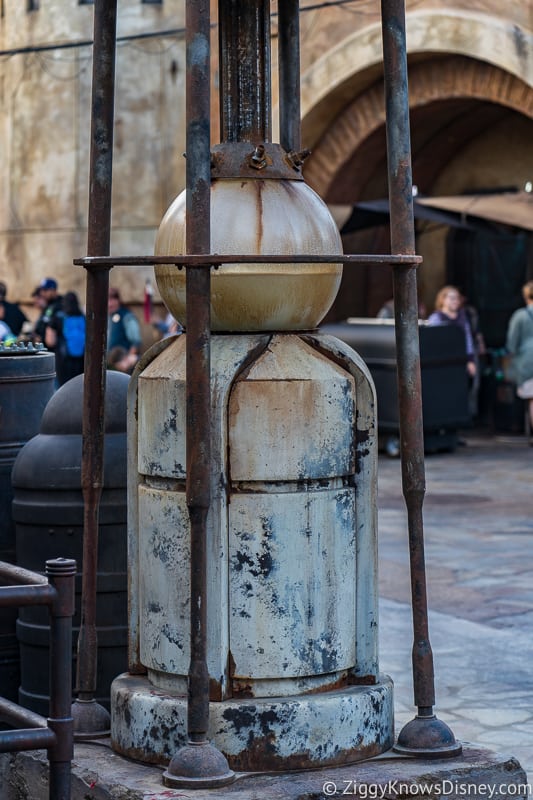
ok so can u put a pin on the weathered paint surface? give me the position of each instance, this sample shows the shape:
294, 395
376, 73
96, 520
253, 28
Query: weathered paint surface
164, 584
161, 418
292, 586
158, 526
291, 417
292, 556
366, 485
299, 732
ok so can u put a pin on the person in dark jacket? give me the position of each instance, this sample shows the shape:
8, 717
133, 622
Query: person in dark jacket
47, 294
123, 332
11, 313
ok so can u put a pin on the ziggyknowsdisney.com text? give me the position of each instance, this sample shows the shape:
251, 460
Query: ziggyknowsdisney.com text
444, 788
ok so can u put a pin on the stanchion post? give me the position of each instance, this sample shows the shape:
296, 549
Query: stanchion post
425, 735
61, 574
90, 718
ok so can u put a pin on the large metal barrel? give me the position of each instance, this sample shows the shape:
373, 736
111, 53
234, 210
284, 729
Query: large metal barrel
26, 386
48, 515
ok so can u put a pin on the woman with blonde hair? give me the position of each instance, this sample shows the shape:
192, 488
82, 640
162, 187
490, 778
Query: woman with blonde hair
449, 310
519, 345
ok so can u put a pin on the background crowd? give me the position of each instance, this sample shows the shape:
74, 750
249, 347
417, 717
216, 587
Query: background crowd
59, 325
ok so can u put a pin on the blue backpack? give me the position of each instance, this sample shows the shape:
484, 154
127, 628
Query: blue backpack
74, 335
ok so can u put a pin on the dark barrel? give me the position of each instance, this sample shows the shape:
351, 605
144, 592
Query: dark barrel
443, 374
26, 386
48, 515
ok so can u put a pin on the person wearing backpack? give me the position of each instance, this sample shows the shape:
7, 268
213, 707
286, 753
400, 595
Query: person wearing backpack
65, 334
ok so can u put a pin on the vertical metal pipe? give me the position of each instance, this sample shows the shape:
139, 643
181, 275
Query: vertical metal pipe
198, 760
61, 575
407, 343
245, 82
289, 75
98, 243
198, 286
408, 363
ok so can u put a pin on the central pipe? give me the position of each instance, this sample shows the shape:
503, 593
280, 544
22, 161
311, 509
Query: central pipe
245, 85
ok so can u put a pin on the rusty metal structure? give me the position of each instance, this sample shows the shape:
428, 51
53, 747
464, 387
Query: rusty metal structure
245, 105
32, 731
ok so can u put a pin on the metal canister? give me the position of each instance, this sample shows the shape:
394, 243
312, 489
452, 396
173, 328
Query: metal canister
26, 385
48, 516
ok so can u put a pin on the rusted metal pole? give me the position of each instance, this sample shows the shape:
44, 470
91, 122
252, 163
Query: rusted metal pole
61, 574
198, 763
244, 47
198, 434
289, 75
90, 718
426, 734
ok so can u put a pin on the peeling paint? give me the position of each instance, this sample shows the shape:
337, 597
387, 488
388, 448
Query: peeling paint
291, 562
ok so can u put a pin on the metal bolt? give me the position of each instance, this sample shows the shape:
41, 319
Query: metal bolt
258, 159
297, 159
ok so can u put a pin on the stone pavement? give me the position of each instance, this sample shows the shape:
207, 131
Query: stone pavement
478, 525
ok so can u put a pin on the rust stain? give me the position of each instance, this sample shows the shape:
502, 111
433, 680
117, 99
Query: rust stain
260, 753
215, 690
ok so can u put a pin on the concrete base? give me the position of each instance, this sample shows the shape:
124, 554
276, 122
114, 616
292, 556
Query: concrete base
100, 774
274, 733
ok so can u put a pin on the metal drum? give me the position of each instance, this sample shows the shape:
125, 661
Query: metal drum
26, 385
48, 515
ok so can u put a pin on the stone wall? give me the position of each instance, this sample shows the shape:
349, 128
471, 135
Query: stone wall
476, 49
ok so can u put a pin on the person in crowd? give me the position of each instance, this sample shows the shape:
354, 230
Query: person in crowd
124, 332
65, 335
39, 327
480, 351
48, 297
449, 311
519, 345
166, 327
6, 334
387, 310
11, 313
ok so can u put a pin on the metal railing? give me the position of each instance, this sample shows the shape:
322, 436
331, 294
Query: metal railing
31, 731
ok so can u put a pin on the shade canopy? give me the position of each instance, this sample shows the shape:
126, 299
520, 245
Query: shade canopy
508, 208
472, 211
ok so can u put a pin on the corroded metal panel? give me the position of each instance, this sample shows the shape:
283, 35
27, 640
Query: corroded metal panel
164, 588
292, 583
159, 537
134, 479
298, 732
366, 486
291, 416
161, 414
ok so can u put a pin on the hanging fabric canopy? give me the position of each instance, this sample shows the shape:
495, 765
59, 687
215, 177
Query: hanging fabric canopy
471, 211
508, 208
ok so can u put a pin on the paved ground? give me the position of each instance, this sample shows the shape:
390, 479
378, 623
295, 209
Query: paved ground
478, 523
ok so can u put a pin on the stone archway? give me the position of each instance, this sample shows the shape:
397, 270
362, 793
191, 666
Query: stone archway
436, 81
351, 66
466, 75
